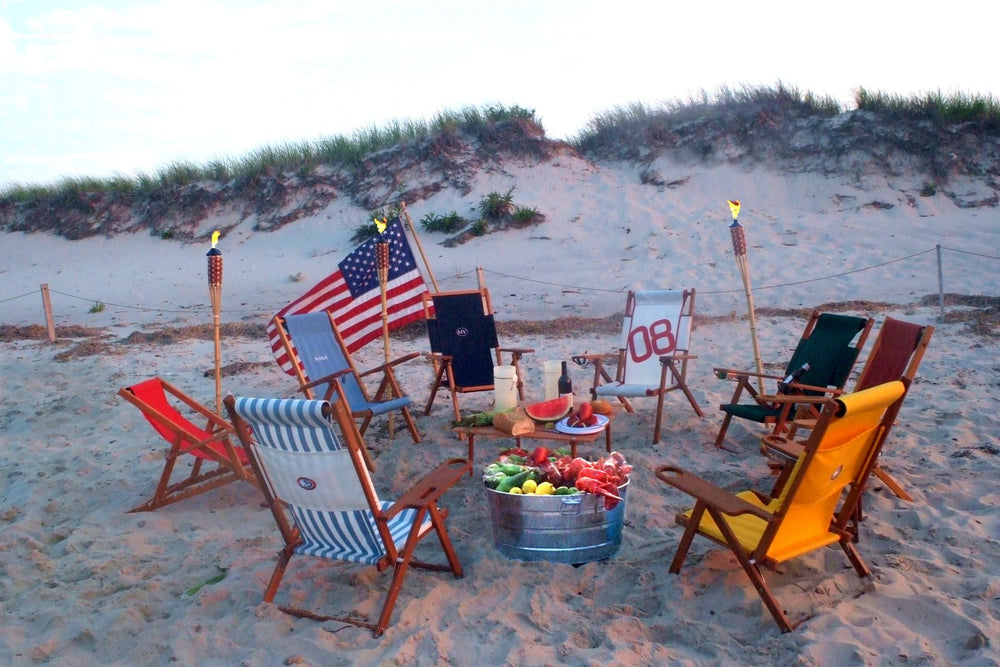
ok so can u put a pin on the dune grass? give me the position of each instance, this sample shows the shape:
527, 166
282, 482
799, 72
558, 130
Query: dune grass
618, 132
337, 151
936, 106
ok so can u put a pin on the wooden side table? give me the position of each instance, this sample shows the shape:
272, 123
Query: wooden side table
470, 433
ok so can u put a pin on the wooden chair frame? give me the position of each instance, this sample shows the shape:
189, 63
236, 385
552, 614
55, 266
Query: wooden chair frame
443, 364
886, 361
751, 524
388, 388
213, 443
776, 414
421, 501
673, 365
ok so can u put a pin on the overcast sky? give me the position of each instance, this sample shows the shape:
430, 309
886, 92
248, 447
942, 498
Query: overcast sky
128, 86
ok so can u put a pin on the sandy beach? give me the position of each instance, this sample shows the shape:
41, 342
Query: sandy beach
86, 583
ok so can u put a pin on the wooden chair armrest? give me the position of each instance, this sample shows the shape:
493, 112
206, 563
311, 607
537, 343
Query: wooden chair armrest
431, 486
704, 491
671, 358
390, 364
817, 389
723, 373
793, 398
437, 356
518, 350
215, 436
789, 449
327, 379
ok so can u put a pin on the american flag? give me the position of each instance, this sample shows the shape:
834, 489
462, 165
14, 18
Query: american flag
352, 294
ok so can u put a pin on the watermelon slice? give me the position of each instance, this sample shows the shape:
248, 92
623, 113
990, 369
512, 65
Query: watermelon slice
551, 410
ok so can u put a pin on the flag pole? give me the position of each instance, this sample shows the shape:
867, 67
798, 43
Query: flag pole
738, 233
215, 293
382, 262
420, 247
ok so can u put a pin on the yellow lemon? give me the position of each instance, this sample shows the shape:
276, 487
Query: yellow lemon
516, 491
529, 486
545, 489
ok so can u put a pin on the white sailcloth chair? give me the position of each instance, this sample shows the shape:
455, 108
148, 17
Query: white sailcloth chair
653, 352
322, 497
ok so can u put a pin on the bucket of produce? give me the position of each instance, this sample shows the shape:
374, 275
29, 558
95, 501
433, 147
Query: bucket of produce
557, 508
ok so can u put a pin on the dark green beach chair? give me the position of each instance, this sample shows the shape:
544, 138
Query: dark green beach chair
830, 345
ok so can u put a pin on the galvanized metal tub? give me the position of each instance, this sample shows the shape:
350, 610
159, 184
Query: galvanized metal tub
563, 529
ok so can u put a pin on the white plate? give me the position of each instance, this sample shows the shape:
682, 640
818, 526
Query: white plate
563, 426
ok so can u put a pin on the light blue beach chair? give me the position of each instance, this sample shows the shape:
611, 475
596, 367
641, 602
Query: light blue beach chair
319, 355
321, 494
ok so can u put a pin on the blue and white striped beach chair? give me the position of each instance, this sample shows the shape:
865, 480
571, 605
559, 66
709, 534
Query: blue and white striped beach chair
321, 494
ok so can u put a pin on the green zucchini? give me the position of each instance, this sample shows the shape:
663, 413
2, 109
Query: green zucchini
509, 482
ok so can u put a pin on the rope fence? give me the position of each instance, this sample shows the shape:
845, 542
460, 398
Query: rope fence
46, 302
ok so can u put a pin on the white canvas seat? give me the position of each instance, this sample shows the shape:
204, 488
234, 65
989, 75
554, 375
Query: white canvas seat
653, 351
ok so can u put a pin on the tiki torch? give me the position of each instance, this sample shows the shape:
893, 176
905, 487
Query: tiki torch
382, 263
743, 264
215, 293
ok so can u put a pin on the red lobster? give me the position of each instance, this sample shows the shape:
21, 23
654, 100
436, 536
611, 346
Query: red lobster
602, 478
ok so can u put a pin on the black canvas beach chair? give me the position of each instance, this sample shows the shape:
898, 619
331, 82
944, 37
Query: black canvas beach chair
464, 345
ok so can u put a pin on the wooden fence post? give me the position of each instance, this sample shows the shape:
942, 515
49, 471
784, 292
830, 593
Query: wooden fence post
47, 306
940, 284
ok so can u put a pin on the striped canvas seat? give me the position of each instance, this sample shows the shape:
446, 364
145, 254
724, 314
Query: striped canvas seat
308, 456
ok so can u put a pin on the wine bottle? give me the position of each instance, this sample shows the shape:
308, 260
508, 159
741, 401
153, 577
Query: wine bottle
793, 377
565, 384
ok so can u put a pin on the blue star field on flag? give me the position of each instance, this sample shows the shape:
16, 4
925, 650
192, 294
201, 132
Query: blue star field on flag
360, 268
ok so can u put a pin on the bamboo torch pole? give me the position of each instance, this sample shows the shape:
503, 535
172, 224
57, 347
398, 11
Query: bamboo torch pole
743, 264
215, 293
382, 262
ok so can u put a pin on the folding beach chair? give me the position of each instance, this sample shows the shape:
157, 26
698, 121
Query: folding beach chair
653, 352
319, 355
323, 499
830, 345
464, 345
211, 444
817, 501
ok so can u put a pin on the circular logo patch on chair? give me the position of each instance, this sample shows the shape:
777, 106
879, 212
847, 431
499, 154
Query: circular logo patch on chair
462, 332
306, 483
